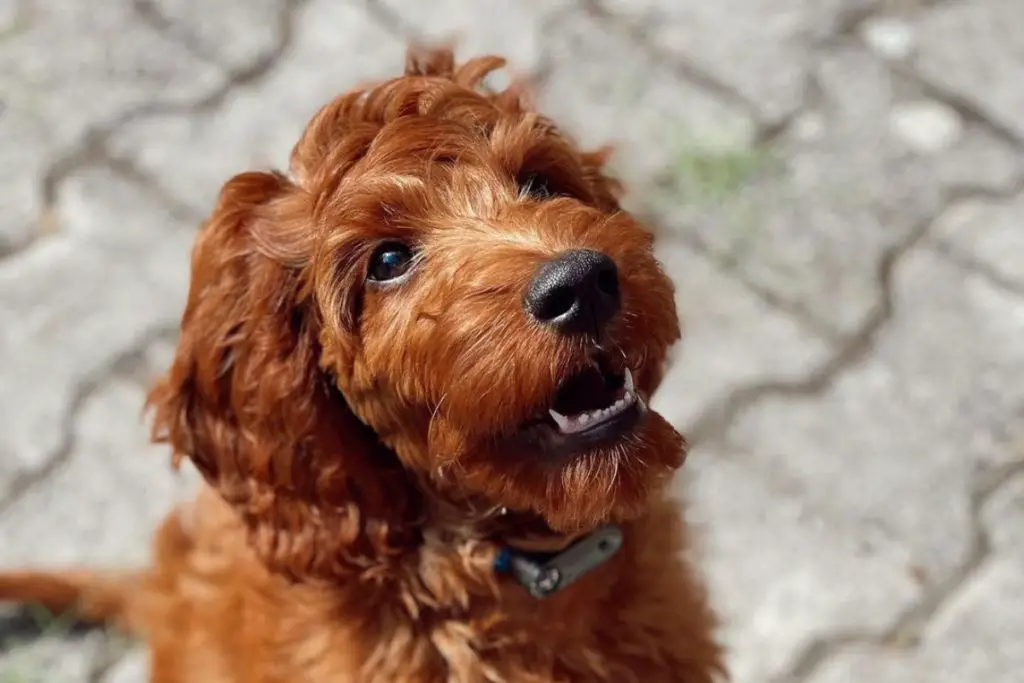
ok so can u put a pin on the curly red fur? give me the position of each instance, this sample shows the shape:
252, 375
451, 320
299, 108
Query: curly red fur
361, 443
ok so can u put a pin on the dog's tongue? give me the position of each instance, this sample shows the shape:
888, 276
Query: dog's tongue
587, 390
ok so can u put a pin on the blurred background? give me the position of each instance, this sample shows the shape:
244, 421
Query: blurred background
839, 194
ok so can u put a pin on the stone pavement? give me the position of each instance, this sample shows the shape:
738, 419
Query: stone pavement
839, 189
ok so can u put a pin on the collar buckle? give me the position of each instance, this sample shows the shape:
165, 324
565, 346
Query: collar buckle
542, 575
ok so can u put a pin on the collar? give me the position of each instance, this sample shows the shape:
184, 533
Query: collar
545, 573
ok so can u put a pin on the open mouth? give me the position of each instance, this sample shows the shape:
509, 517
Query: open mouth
599, 403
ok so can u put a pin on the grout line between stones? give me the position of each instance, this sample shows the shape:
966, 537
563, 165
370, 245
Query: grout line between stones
131, 172
794, 309
152, 16
92, 147
715, 421
967, 110
22, 484
636, 32
908, 628
393, 22
975, 266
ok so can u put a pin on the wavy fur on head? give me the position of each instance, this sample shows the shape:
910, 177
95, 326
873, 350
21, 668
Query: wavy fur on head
369, 445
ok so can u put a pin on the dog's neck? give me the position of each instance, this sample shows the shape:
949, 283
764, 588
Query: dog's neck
524, 546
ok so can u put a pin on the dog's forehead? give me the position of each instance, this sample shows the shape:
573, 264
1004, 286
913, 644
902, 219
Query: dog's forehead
423, 118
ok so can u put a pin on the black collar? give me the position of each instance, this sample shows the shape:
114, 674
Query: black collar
543, 574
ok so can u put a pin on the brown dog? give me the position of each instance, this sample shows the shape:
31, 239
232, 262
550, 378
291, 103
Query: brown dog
414, 375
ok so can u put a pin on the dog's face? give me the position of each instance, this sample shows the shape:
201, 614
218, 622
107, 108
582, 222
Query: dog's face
490, 311
448, 268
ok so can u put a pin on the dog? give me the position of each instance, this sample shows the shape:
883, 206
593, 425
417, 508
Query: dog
414, 374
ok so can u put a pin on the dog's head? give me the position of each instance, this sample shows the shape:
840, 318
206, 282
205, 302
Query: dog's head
444, 300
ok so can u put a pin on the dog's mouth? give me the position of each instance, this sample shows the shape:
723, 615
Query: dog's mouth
597, 404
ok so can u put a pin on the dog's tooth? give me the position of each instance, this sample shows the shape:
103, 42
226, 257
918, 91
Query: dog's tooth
629, 382
629, 397
563, 422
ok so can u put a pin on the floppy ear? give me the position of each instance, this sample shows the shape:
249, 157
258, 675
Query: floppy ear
248, 403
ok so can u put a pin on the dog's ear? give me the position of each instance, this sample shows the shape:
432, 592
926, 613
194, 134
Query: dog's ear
248, 403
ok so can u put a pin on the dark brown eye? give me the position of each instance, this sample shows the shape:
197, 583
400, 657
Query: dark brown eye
390, 261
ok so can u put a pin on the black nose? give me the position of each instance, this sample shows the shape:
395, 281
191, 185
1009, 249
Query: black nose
577, 292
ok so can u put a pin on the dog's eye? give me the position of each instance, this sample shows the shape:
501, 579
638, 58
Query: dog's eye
390, 261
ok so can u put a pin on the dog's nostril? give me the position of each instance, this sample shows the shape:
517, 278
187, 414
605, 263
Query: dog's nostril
558, 302
576, 292
608, 281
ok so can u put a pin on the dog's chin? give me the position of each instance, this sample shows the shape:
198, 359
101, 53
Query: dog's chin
608, 473
586, 450
599, 469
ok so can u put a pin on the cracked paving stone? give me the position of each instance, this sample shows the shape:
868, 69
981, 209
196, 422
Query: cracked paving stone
977, 636
513, 30
730, 338
889, 452
336, 46
51, 659
975, 51
810, 218
990, 232
603, 89
75, 304
52, 95
125, 484
763, 49
779, 570
230, 33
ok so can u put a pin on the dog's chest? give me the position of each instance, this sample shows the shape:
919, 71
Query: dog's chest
491, 647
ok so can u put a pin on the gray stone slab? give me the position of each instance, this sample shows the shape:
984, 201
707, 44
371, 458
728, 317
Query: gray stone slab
975, 51
988, 232
68, 68
234, 34
102, 505
898, 439
336, 46
811, 218
761, 48
604, 89
731, 338
124, 64
516, 30
977, 636
886, 458
77, 303
781, 572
